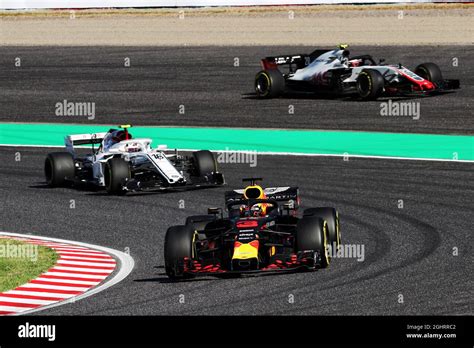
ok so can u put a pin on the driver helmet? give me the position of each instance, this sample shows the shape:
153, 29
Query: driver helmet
117, 136
259, 209
256, 210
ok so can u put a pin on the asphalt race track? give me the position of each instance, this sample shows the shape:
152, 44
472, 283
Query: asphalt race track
408, 251
212, 90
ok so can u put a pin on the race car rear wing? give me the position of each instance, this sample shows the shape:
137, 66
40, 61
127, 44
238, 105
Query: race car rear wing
294, 60
280, 194
299, 60
83, 139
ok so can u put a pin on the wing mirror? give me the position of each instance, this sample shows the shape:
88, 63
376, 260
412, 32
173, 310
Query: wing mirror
215, 211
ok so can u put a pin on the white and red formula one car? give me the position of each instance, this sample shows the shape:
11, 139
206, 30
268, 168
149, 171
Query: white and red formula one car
335, 72
122, 163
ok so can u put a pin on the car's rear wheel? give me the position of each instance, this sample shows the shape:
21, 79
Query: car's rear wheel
179, 245
430, 72
205, 162
269, 83
312, 234
116, 174
331, 216
370, 84
58, 168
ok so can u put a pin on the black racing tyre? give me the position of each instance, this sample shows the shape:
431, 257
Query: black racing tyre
429, 71
269, 83
116, 174
370, 84
331, 216
58, 168
199, 222
179, 243
205, 162
312, 234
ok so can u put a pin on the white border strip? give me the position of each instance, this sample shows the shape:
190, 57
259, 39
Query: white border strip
298, 154
126, 264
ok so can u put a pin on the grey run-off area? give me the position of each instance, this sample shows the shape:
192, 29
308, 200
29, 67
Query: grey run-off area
201, 86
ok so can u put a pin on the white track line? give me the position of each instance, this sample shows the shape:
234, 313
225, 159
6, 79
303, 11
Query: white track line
21, 300
299, 154
79, 251
39, 294
80, 263
89, 270
15, 309
66, 258
55, 287
70, 281
100, 269
83, 276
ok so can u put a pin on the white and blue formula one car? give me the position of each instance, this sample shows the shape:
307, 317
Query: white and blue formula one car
335, 72
122, 163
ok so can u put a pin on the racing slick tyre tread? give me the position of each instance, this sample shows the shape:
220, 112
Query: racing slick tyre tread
312, 234
430, 72
269, 83
58, 166
205, 162
331, 216
370, 84
179, 243
116, 173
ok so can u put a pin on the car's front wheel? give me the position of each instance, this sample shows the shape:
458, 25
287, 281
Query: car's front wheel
205, 163
312, 234
331, 216
116, 174
179, 248
430, 72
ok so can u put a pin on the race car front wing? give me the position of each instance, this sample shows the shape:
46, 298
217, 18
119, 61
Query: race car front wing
307, 259
210, 180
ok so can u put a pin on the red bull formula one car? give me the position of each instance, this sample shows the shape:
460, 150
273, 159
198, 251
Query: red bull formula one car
336, 72
262, 232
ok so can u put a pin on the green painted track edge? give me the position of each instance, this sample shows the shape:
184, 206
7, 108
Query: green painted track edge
275, 141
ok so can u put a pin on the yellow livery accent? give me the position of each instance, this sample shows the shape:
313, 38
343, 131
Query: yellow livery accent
326, 250
254, 192
245, 251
